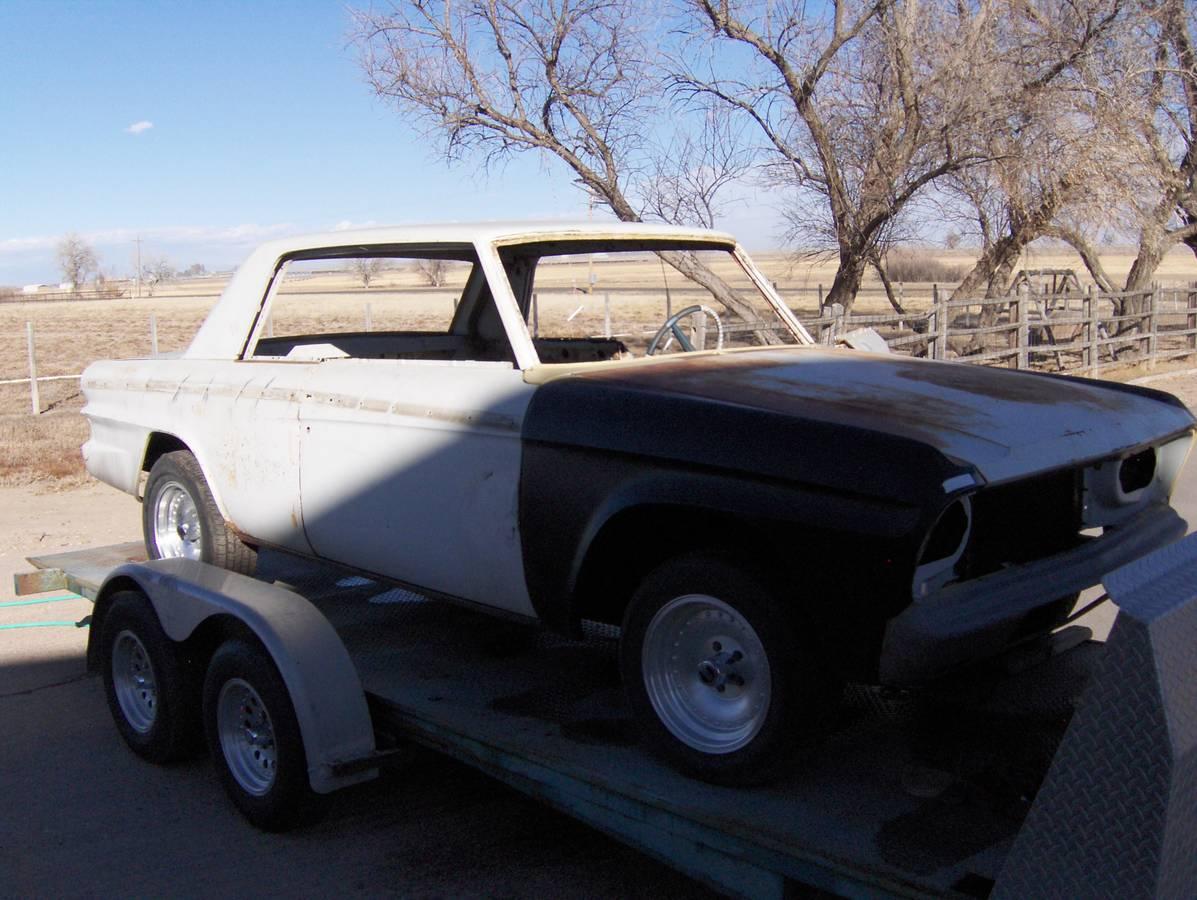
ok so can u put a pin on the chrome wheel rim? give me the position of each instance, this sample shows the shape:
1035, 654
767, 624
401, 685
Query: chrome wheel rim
706, 674
177, 523
246, 736
133, 682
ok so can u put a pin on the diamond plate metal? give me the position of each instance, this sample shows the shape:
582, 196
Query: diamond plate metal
1117, 813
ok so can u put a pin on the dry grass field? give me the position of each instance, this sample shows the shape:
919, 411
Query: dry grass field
44, 449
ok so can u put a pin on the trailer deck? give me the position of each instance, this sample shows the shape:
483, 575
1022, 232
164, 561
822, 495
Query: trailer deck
906, 794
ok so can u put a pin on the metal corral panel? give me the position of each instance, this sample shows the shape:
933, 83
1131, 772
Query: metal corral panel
1117, 815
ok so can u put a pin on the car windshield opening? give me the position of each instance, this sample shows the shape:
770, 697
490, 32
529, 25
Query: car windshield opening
586, 301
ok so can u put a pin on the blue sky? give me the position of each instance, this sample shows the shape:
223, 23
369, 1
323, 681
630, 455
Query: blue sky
259, 124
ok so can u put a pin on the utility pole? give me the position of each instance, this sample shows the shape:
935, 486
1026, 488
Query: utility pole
137, 241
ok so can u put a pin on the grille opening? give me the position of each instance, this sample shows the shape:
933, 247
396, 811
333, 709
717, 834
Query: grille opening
1137, 471
1024, 521
947, 534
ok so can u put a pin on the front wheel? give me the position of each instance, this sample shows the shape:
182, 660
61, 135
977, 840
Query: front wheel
254, 738
180, 517
723, 683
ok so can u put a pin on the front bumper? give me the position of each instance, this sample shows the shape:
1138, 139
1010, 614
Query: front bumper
976, 619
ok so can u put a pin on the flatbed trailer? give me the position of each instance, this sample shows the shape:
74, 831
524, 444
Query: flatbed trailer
992, 786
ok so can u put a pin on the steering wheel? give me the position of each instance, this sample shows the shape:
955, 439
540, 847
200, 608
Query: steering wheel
673, 329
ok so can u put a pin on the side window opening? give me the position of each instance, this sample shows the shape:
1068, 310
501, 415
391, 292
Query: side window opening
381, 303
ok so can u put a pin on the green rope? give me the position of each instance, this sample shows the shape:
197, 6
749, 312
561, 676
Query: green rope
8, 603
80, 624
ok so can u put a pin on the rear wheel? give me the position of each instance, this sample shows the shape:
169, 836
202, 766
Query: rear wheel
180, 517
254, 738
722, 682
148, 688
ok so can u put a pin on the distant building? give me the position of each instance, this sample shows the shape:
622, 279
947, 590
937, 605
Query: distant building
33, 288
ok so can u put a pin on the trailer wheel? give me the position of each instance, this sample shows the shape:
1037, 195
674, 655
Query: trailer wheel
254, 739
180, 518
147, 686
722, 682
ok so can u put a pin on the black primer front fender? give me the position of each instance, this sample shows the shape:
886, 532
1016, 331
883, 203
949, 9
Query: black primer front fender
594, 449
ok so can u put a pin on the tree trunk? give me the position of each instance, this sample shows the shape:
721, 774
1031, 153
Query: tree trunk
999, 281
888, 285
1151, 251
992, 270
1087, 254
1025, 226
720, 290
847, 280
688, 265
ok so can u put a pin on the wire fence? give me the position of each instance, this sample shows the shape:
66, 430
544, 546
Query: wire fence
1083, 332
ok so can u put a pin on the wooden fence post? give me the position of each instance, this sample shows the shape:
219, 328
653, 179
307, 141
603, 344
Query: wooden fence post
535, 317
1022, 330
34, 397
607, 315
1191, 319
837, 323
820, 300
932, 328
1092, 352
1153, 339
153, 335
940, 343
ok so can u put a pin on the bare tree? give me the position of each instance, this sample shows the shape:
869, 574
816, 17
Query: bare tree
686, 183
577, 80
866, 103
432, 271
850, 101
366, 268
76, 260
155, 272
1057, 165
1168, 130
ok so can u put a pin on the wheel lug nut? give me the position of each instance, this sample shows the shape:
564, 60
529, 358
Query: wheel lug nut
716, 646
736, 657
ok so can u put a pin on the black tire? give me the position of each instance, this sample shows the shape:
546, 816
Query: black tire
260, 760
158, 717
218, 544
699, 603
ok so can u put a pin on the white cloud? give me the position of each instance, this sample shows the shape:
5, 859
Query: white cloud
139, 127
347, 225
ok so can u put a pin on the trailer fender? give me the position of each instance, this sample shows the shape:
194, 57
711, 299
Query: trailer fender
325, 689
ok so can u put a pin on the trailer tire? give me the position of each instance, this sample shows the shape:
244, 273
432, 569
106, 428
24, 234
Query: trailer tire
150, 691
722, 681
254, 738
177, 504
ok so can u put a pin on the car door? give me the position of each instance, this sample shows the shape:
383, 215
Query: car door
409, 420
410, 469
